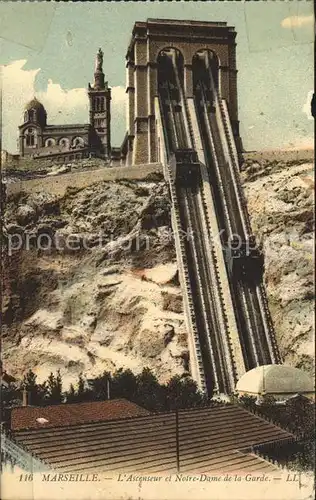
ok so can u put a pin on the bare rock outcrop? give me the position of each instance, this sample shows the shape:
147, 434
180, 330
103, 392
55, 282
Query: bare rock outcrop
280, 199
101, 291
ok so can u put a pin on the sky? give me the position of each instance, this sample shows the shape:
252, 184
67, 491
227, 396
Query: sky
48, 50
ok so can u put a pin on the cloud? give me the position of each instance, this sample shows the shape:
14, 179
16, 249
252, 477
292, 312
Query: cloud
71, 106
119, 97
62, 105
17, 89
307, 106
297, 21
118, 114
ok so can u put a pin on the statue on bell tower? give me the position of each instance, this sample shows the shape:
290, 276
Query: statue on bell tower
100, 115
99, 61
98, 71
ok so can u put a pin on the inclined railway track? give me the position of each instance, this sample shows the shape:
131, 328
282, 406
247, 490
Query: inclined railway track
189, 285
216, 352
187, 276
255, 326
201, 277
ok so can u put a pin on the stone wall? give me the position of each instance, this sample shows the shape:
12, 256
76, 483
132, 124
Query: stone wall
279, 155
58, 184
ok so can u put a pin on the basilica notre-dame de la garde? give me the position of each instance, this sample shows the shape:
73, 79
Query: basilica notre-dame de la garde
38, 139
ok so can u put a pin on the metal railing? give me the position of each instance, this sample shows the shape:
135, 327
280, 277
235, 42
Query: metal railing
16, 456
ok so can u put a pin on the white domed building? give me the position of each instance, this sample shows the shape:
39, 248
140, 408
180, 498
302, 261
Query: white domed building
280, 381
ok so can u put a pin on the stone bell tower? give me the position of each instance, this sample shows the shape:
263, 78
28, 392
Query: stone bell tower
148, 40
100, 112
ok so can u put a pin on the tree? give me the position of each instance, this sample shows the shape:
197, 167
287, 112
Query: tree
268, 408
150, 393
249, 402
37, 393
9, 396
300, 417
83, 393
42, 394
100, 386
29, 382
54, 386
297, 414
81, 386
124, 384
71, 395
183, 393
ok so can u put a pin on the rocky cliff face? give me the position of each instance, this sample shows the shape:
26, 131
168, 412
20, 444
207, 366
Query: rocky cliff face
105, 293
107, 297
281, 206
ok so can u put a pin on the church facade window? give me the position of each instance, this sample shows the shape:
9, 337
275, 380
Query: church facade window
32, 115
64, 142
50, 142
30, 141
30, 137
78, 141
98, 104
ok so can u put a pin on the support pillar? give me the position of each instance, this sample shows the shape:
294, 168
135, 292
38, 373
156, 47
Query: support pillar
152, 91
188, 80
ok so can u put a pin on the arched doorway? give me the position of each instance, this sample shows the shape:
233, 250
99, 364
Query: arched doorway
170, 63
204, 64
170, 74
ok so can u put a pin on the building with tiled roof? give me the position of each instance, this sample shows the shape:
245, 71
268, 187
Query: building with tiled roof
219, 439
39, 417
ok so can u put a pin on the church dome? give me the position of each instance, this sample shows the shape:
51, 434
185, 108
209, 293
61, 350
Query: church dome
34, 104
35, 112
275, 380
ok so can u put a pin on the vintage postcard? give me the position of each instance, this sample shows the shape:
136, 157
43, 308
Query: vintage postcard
157, 336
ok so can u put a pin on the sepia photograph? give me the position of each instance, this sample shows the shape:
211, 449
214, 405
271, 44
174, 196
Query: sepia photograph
157, 250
